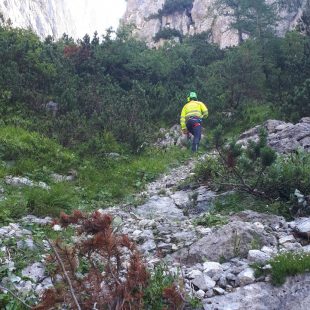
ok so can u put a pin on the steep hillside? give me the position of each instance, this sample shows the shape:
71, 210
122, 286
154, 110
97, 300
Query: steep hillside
195, 16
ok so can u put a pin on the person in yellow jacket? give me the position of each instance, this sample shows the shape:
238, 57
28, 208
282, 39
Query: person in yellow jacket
191, 118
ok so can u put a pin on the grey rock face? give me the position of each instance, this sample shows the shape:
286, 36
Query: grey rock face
282, 137
257, 256
203, 16
160, 207
205, 199
231, 240
50, 17
246, 277
294, 294
203, 282
35, 272
303, 224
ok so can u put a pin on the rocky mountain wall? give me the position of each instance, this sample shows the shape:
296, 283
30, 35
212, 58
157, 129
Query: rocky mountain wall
143, 14
45, 17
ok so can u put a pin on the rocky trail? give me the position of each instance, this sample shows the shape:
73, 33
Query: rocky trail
215, 262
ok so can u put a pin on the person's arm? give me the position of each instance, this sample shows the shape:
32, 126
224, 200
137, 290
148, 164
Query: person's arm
204, 110
182, 119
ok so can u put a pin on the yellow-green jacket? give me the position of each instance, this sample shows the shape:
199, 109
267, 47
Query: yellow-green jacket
193, 108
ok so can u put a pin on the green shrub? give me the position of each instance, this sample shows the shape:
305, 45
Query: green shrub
167, 33
159, 280
237, 202
210, 220
41, 202
173, 6
287, 174
288, 264
12, 207
19, 144
208, 169
254, 113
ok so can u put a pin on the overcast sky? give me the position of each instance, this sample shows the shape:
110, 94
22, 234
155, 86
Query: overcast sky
96, 15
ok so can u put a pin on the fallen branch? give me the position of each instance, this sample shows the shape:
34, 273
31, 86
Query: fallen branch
65, 274
15, 296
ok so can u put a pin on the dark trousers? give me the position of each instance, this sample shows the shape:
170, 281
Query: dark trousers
194, 127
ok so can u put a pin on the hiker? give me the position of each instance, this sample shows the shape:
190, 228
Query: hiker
191, 118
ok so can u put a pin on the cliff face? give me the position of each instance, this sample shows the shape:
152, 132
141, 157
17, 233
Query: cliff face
55, 17
45, 17
143, 14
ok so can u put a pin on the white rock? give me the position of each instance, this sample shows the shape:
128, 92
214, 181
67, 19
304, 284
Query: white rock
259, 225
303, 224
268, 250
35, 272
257, 256
285, 239
26, 244
212, 268
203, 230
199, 294
24, 287
148, 246
136, 233
194, 273
219, 291
306, 248
57, 227
292, 246
246, 277
203, 282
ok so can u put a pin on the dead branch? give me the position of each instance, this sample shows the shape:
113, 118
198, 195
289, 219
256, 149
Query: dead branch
65, 274
15, 296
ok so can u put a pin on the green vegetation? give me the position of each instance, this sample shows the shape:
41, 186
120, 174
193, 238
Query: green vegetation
288, 264
210, 220
174, 6
98, 183
236, 202
94, 82
113, 94
255, 171
167, 33
159, 280
285, 265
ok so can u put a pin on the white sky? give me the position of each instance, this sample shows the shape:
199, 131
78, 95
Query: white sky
96, 15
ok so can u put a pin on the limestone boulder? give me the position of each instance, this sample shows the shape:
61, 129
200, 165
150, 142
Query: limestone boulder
294, 294
234, 239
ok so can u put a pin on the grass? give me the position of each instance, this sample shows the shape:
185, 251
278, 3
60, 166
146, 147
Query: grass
100, 181
289, 264
210, 220
236, 202
118, 181
285, 265
18, 145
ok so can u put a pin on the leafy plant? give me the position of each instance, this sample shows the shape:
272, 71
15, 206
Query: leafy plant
288, 264
162, 291
210, 220
42, 202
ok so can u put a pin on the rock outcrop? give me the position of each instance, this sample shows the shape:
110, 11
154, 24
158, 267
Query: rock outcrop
282, 137
50, 17
56, 17
201, 17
